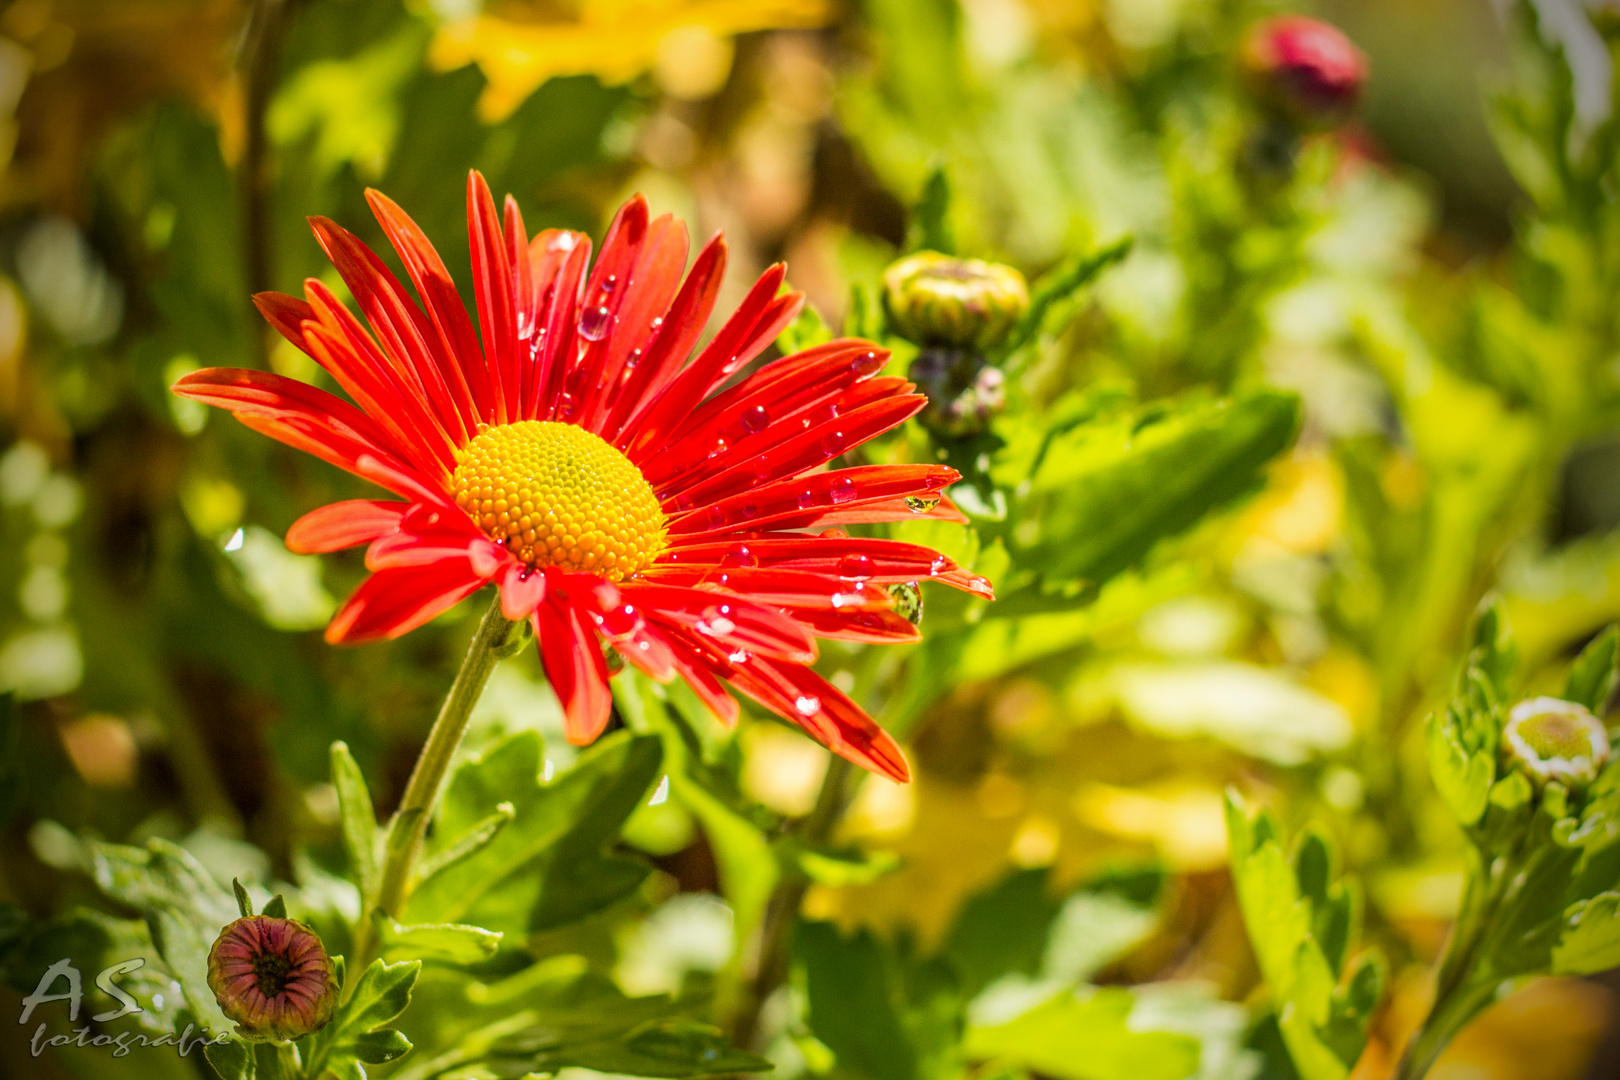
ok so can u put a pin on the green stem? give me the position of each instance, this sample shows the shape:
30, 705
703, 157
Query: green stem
405, 830
770, 967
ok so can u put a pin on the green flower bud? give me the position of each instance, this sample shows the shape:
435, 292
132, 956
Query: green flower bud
933, 299
273, 977
1551, 739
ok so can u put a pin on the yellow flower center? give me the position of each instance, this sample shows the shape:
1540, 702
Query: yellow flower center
557, 495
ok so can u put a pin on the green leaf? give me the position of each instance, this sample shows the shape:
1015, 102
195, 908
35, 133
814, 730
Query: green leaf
1590, 942
1085, 1036
244, 903
929, 228
1106, 492
358, 818
808, 330
1056, 290
1002, 930
1463, 779
184, 908
856, 1002
548, 866
276, 907
358, 1034
452, 943
233, 1059
1592, 677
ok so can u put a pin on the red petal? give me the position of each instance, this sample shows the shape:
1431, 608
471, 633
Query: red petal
883, 510
806, 450
522, 590
492, 285
394, 602
663, 357
445, 310
608, 291
876, 627
558, 262
737, 622
405, 332
291, 412
574, 665
722, 356
797, 503
344, 525
647, 293
822, 710
763, 410
849, 557
780, 588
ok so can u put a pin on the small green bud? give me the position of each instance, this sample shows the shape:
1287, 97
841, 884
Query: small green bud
1555, 740
908, 601
964, 392
933, 299
273, 977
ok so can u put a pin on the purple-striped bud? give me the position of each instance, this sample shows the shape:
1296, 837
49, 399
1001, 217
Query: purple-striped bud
273, 977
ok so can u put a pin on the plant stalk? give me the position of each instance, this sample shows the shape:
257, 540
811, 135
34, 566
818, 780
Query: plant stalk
770, 967
403, 842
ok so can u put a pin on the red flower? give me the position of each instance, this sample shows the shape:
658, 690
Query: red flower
1304, 68
609, 488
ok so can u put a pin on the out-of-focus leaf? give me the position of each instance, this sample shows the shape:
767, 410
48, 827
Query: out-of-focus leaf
1054, 294
930, 228
1590, 942
548, 866
359, 1034
1592, 677
358, 818
1086, 1036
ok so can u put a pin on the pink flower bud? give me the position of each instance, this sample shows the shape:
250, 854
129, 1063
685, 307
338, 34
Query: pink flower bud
273, 977
1303, 69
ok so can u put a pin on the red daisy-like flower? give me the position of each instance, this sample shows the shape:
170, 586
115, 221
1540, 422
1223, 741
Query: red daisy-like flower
569, 452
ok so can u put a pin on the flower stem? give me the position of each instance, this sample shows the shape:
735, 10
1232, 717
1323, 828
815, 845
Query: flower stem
404, 838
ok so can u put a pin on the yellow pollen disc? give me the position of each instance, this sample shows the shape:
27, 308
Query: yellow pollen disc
557, 495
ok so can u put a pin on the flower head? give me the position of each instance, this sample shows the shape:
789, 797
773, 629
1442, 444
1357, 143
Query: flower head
615, 488
934, 299
1304, 69
273, 977
1553, 739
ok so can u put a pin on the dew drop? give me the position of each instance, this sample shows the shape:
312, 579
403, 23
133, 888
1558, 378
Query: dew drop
842, 490
594, 323
921, 504
717, 518
807, 705
866, 364
738, 657
632, 361
682, 502
939, 565
739, 555
854, 597
832, 443
748, 509
621, 622
856, 566
756, 418
719, 448
657, 322
807, 499
834, 534
716, 621
610, 283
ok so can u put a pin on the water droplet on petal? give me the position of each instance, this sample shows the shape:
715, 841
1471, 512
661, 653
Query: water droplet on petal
756, 418
594, 323
609, 283
716, 621
621, 622
921, 504
657, 322
719, 448
748, 509
807, 705
738, 657
832, 443
632, 361
717, 518
854, 598
842, 490
939, 565
739, 555
806, 499
856, 566
866, 364
834, 534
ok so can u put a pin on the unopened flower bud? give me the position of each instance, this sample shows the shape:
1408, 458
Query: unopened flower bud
1304, 70
964, 393
934, 299
273, 977
1552, 739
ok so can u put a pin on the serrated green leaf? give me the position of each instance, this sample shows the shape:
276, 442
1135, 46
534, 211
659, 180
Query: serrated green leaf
449, 942
548, 866
1057, 289
358, 818
468, 843
358, 1034
1463, 779
232, 1059
1590, 941
184, 908
1592, 677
